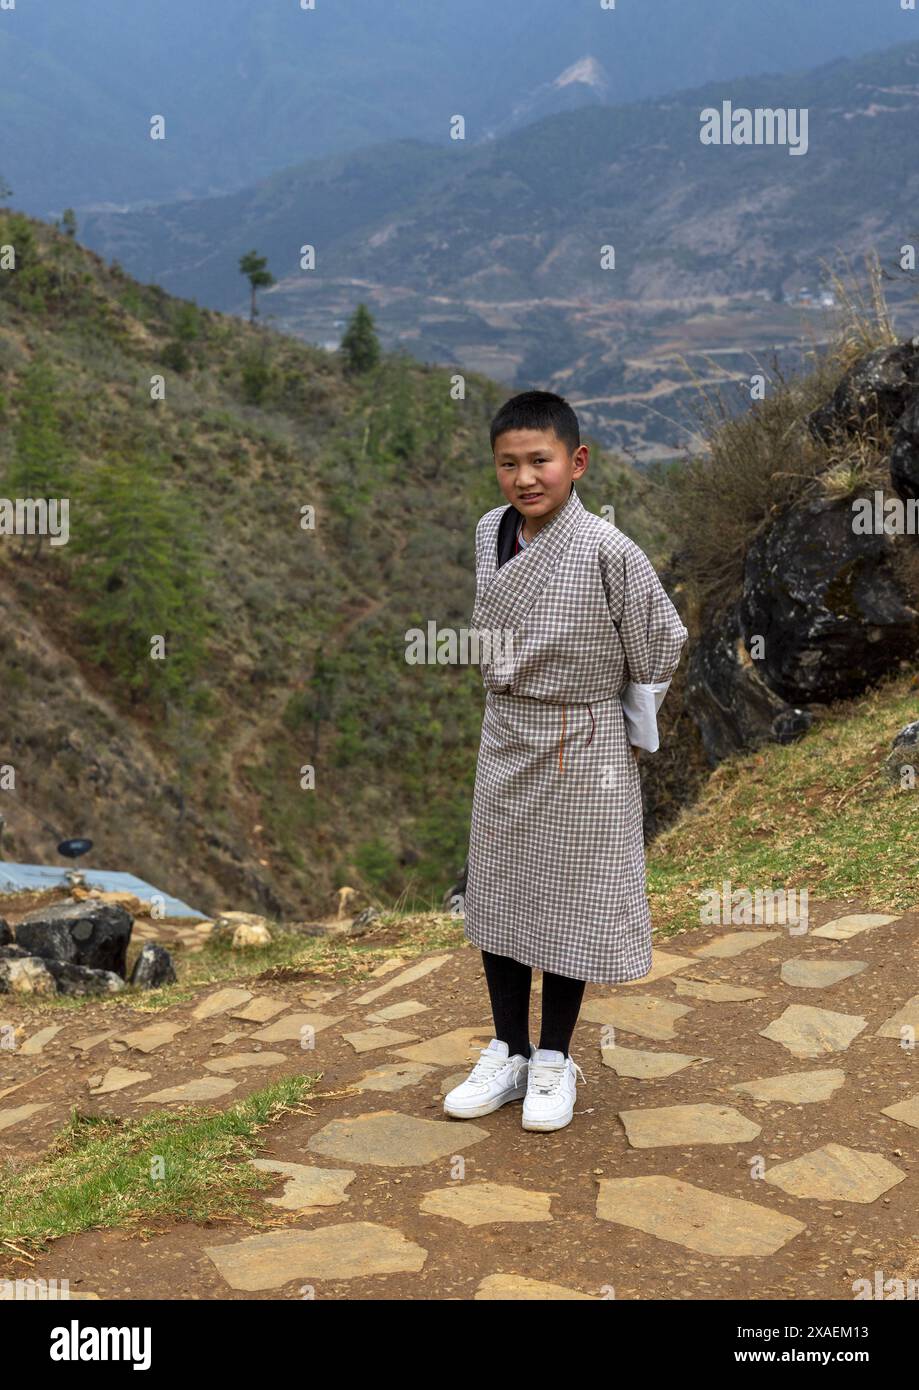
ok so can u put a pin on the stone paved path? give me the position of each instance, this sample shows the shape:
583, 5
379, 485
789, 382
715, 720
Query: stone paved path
748, 1128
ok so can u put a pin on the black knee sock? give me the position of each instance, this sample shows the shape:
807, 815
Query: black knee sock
561, 1004
509, 990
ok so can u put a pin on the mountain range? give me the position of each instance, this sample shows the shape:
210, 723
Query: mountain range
488, 256
248, 90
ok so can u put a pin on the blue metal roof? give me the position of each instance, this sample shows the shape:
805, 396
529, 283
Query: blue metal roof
18, 878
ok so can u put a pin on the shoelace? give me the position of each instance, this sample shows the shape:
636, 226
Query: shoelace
546, 1077
489, 1065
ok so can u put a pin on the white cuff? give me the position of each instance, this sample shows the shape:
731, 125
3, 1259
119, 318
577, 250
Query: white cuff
640, 704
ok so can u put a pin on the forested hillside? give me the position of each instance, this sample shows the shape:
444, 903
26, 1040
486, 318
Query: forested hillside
170, 670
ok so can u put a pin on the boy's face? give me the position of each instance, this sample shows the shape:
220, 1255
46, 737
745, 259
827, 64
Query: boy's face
535, 472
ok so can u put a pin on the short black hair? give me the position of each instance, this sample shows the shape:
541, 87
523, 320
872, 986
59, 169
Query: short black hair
538, 410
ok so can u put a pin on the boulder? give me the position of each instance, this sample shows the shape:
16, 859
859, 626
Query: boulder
81, 979
901, 767
153, 968
250, 934
26, 975
827, 602
241, 929
457, 891
872, 395
363, 921
6, 934
90, 933
904, 456
734, 709
12, 952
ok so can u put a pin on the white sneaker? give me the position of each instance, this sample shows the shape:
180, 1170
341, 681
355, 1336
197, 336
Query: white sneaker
551, 1090
495, 1079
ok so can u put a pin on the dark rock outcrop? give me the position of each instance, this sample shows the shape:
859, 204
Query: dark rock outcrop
904, 455
90, 933
153, 967
827, 602
6, 934
872, 395
731, 704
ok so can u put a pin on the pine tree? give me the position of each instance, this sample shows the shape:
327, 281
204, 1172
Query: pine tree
142, 577
360, 346
41, 466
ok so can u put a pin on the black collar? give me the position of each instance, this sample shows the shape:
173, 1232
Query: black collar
507, 532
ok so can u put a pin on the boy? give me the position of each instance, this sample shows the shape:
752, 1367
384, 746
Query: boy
556, 875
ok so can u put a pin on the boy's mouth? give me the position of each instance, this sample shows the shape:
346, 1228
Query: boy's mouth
529, 497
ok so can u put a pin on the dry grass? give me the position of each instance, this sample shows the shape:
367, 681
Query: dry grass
759, 461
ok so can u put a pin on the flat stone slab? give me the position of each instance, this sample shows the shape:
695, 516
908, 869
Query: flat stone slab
717, 991
835, 1173
484, 1203
393, 1076
307, 1189
907, 1017
239, 1061
92, 1040
369, 1039
17, 1113
806, 1031
905, 1110
516, 1288
794, 1087
449, 1049
386, 967
407, 1009
118, 1079
153, 1036
393, 1140
734, 943
315, 998
663, 963
201, 1088
446, 1083
294, 1027
34, 1045
405, 977
349, 1251
667, 1125
843, 928
220, 1002
707, 1222
803, 973
647, 1066
644, 1014
260, 1009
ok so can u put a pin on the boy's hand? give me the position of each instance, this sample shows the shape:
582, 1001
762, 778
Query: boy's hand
635, 752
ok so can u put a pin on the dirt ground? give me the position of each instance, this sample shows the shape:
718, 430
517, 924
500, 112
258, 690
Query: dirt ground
842, 1239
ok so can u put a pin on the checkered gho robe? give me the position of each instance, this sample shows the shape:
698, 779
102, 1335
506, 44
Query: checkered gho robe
556, 854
